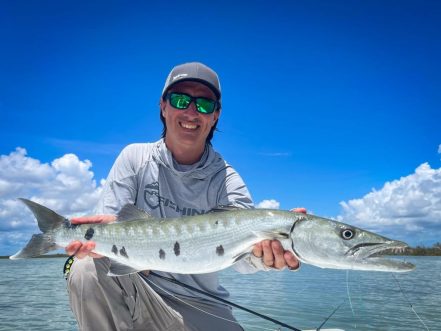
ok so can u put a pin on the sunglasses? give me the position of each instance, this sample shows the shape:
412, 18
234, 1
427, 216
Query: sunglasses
183, 101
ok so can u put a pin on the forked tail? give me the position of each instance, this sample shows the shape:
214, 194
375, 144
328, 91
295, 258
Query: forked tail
41, 243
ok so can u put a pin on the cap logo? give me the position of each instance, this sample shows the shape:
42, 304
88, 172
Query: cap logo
179, 76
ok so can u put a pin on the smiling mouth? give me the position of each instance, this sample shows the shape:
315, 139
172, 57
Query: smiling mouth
188, 126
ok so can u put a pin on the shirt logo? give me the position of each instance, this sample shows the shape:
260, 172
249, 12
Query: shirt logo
179, 76
154, 200
151, 195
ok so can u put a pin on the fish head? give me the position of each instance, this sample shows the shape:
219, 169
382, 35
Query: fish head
331, 244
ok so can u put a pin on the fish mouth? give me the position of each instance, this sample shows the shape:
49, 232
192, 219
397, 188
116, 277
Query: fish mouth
371, 254
366, 250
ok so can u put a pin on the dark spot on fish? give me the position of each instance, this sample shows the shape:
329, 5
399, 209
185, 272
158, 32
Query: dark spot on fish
161, 254
114, 250
177, 249
123, 252
216, 223
89, 234
220, 250
69, 225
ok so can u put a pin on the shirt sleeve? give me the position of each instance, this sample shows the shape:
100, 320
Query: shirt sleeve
121, 185
236, 193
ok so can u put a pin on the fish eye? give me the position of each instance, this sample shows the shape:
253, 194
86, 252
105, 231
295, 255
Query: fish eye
347, 234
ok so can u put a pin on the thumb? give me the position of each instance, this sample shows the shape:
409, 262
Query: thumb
299, 210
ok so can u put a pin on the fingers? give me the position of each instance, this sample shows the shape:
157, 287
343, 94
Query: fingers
258, 250
291, 260
85, 249
263, 250
299, 210
268, 257
73, 247
93, 219
81, 250
274, 255
278, 251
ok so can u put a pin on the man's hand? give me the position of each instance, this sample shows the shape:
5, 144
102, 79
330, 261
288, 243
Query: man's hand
79, 249
273, 254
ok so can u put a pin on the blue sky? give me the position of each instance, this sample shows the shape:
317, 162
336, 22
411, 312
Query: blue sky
330, 105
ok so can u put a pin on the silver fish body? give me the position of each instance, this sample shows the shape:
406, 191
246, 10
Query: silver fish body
188, 245
214, 241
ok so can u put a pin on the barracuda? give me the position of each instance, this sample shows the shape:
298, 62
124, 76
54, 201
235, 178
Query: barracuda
213, 241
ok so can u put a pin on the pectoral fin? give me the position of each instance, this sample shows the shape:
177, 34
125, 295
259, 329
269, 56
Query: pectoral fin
120, 269
240, 256
271, 235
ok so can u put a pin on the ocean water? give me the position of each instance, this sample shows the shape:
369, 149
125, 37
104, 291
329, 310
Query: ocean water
33, 297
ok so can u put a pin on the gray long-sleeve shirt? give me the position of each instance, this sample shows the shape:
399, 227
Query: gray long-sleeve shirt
147, 176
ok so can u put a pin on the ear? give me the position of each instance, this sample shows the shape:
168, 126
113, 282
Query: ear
162, 106
216, 115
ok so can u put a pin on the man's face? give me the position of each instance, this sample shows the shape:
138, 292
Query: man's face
187, 126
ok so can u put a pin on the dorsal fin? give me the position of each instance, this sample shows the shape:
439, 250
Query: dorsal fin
219, 209
130, 213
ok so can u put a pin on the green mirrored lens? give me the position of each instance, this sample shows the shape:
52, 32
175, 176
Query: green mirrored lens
205, 106
180, 101
183, 101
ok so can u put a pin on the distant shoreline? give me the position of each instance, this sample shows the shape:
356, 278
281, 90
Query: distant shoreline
435, 250
49, 256
412, 251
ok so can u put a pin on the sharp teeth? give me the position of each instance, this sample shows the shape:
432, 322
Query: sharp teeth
189, 126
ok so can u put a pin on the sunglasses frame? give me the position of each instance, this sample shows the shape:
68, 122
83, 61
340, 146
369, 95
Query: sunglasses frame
192, 99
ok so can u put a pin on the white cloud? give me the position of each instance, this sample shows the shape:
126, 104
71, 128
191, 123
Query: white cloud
66, 185
408, 207
270, 204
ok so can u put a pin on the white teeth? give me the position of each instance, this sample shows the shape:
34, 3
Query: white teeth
189, 126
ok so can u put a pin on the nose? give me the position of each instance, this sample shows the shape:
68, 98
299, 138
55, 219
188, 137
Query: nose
192, 110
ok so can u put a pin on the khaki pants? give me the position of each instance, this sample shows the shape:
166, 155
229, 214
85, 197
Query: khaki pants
100, 302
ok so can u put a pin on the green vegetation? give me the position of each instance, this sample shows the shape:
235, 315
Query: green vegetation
435, 250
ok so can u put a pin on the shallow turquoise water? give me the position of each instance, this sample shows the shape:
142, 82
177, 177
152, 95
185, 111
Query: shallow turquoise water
306, 298
33, 297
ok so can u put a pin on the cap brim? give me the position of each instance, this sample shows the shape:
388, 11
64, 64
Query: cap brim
210, 86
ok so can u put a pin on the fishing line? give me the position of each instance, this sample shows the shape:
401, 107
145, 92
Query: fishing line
327, 318
192, 306
349, 297
360, 296
409, 303
197, 308
187, 303
174, 281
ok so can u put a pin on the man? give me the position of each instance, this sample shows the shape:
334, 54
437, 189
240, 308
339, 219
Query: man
179, 175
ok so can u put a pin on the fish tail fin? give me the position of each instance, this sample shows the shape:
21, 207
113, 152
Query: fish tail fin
38, 245
47, 220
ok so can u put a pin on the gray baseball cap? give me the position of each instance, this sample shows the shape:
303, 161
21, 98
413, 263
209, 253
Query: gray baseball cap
193, 71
